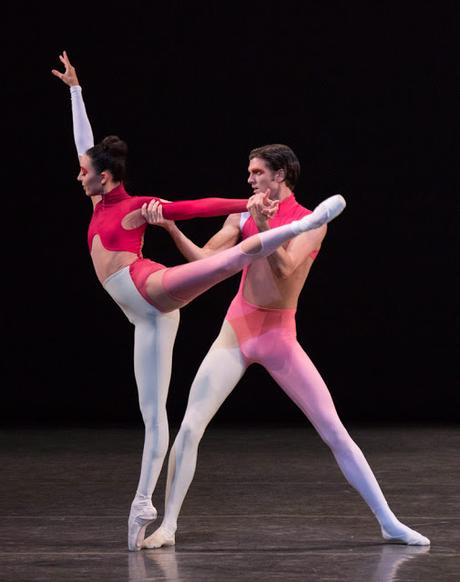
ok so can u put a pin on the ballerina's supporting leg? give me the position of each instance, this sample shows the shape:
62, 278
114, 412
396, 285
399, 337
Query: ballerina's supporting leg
154, 335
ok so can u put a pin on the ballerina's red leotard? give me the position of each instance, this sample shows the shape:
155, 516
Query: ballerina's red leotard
115, 206
110, 220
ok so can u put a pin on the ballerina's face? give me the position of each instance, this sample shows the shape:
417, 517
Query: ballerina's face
89, 178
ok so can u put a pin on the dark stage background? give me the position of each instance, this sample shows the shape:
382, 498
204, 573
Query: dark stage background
367, 96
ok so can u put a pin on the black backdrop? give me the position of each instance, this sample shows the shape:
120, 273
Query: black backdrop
368, 98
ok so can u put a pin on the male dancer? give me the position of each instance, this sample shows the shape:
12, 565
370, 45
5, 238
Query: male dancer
260, 328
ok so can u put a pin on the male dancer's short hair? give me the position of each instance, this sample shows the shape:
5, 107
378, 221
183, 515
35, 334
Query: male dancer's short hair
279, 157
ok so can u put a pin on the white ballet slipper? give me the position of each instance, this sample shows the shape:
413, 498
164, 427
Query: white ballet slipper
160, 537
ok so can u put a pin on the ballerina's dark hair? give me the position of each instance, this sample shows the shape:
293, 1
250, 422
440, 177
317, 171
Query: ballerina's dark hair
110, 154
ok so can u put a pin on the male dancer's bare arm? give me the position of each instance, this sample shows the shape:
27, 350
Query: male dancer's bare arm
225, 238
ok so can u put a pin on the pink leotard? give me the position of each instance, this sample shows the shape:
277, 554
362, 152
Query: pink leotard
267, 337
263, 332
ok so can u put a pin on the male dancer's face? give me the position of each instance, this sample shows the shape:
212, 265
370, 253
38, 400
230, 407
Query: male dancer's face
90, 180
261, 177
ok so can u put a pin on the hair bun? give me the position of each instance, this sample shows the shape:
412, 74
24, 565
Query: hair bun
114, 145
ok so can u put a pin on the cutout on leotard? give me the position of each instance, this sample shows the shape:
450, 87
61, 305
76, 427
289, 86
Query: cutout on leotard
133, 220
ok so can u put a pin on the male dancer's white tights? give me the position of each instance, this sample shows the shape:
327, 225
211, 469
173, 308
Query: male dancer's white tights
293, 370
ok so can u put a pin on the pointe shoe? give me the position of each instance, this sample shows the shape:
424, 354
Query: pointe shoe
331, 207
326, 211
139, 518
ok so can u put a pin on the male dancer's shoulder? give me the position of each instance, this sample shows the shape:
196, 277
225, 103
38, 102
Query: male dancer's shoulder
297, 211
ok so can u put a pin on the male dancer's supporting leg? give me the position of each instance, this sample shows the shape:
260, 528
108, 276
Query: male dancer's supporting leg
218, 374
293, 370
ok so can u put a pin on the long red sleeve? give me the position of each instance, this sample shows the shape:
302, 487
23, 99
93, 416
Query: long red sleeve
116, 205
203, 207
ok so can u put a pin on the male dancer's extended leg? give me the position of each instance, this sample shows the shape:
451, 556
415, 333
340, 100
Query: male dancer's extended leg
218, 374
303, 384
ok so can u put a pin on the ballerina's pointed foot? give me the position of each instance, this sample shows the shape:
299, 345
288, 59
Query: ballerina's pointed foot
331, 207
139, 518
405, 535
326, 211
160, 537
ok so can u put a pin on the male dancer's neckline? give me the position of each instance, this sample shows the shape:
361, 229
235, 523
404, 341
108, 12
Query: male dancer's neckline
283, 197
287, 202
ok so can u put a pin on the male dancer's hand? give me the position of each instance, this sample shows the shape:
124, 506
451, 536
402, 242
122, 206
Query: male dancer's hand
69, 76
153, 214
262, 208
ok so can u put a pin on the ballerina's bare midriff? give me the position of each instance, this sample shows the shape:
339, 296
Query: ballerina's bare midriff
106, 262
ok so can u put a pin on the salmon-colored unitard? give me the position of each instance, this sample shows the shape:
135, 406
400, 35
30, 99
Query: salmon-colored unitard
251, 334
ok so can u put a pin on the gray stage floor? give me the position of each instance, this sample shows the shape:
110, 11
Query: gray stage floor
267, 503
